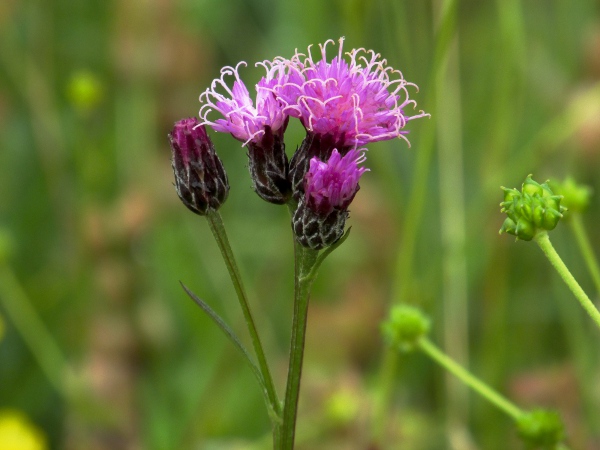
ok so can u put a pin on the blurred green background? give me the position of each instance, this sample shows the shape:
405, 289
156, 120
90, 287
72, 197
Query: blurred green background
101, 349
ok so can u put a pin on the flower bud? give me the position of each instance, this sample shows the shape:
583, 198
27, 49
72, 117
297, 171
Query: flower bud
541, 428
576, 196
313, 146
200, 179
405, 326
530, 211
329, 188
269, 167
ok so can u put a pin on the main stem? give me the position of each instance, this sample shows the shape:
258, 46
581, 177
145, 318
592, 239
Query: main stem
305, 259
469, 379
543, 241
218, 229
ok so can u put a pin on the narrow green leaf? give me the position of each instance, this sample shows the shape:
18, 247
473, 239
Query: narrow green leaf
231, 335
326, 252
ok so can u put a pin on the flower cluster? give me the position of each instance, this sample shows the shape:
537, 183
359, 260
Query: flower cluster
530, 211
344, 103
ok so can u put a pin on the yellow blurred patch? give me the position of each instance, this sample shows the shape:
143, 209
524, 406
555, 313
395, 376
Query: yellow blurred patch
18, 433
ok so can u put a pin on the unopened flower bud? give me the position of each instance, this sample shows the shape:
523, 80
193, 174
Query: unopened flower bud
530, 211
405, 326
269, 166
329, 188
200, 179
576, 196
541, 429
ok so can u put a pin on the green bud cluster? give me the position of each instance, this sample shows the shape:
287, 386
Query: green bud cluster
405, 326
530, 211
541, 428
576, 197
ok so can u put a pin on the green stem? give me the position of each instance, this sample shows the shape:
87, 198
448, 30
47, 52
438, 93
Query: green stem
543, 241
469, 379
305, 260
218, 229
586, 249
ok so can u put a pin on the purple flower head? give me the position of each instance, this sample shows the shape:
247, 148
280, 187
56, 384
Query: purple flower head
332, 185
200, 179
356, 102
241, 117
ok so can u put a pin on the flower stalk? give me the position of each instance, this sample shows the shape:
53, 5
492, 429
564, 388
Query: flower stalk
217, 228
543, 241
305, 262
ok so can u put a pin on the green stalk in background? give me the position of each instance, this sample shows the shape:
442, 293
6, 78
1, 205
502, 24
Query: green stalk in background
585, 247
402, 286
406, 330
532, 212
543, 241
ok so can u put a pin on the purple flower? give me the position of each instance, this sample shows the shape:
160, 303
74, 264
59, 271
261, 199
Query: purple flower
241, 117
200, 179
259, 127
329, 188
356, 102
332, 185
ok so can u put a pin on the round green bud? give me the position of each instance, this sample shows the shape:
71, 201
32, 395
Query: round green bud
343, 406
405, 326
536, 208
541, 428
85, 91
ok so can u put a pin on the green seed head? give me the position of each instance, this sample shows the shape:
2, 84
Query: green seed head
405, 326
534, 209
541, 429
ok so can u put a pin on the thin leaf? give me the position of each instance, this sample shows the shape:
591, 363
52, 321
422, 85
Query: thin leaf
231, 335
326, 252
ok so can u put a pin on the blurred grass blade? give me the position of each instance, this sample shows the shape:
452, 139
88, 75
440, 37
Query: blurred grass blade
232, 337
